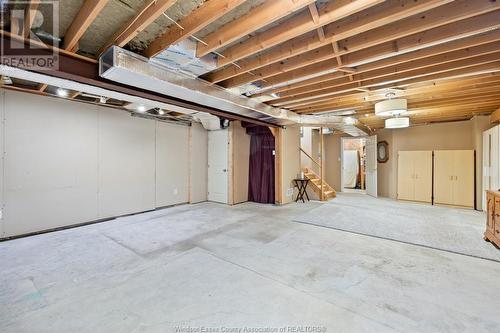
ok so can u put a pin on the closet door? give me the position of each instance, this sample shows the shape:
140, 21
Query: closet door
463, 178
406, 186
443, 176
422, 164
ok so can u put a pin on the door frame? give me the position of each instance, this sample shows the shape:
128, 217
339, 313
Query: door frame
342, 140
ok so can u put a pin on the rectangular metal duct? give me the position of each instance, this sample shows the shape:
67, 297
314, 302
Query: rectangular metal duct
128, 68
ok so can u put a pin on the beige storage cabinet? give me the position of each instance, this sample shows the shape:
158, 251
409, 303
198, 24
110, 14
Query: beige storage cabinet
415, 176
454, 177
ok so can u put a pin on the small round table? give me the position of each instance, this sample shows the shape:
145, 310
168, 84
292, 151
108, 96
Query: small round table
301, 185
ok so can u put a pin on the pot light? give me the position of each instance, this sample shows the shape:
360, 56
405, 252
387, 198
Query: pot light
398, 122
62, 92
141, 108
161, 112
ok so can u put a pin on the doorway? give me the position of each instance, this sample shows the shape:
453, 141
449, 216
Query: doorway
354, 165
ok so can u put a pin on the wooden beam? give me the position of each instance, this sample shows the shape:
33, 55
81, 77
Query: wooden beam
86, 15
388, 12
207, 13
29, 16
42, 87
255, 19
147, 15
308, 20
445, 23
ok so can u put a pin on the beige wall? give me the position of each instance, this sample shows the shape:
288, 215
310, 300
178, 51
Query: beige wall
198, 181
446, 136
67, 163
332, 160
241, 156
479, 125
290, 163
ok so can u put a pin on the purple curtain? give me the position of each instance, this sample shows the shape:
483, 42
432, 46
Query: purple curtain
261, 174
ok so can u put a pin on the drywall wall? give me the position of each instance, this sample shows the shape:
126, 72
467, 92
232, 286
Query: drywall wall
126, 161
479, 125
333, 174
67, 163
172, 159
290, 161
241, 157
198, 181
452, 136
51, 171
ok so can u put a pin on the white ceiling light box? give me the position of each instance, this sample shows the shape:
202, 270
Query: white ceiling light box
391, 107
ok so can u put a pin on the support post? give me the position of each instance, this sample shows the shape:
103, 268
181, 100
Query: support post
322, 164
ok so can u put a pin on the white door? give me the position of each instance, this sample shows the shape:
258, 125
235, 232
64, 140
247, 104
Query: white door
218, 157
371, 165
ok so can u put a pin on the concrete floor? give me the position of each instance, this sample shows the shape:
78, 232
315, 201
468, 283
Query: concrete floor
214, 268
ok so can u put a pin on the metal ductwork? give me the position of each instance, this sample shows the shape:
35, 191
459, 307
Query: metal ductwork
128, 68
125, 67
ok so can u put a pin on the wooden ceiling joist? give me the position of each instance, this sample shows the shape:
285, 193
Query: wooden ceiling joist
29, 16
445, 88
308, 20
386, 70
86, 15
306, 64
384, 63
360, 104
207, 13
406, 35
258, 17
366, 20
443, 74
147, 15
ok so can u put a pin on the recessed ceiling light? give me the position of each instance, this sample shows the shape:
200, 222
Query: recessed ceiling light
103, 99
161, 112
62, 92
141, 108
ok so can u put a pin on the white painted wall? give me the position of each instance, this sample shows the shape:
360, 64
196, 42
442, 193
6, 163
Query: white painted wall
66, 163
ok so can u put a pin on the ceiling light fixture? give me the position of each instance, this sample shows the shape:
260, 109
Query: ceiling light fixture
391, 107
141, 108
62, 92
397, 122
161, 112
103, 99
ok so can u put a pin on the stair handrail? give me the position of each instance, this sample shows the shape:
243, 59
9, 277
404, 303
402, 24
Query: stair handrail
312, 159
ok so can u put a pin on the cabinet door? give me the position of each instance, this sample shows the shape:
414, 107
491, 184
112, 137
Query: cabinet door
405, 175
443, 176
463, 184
422, 164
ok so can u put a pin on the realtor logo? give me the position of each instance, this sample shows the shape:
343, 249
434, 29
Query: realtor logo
31, 34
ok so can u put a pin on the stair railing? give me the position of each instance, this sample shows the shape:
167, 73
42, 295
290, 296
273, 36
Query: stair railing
322, 186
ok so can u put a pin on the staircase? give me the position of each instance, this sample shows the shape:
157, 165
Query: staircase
315, 184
